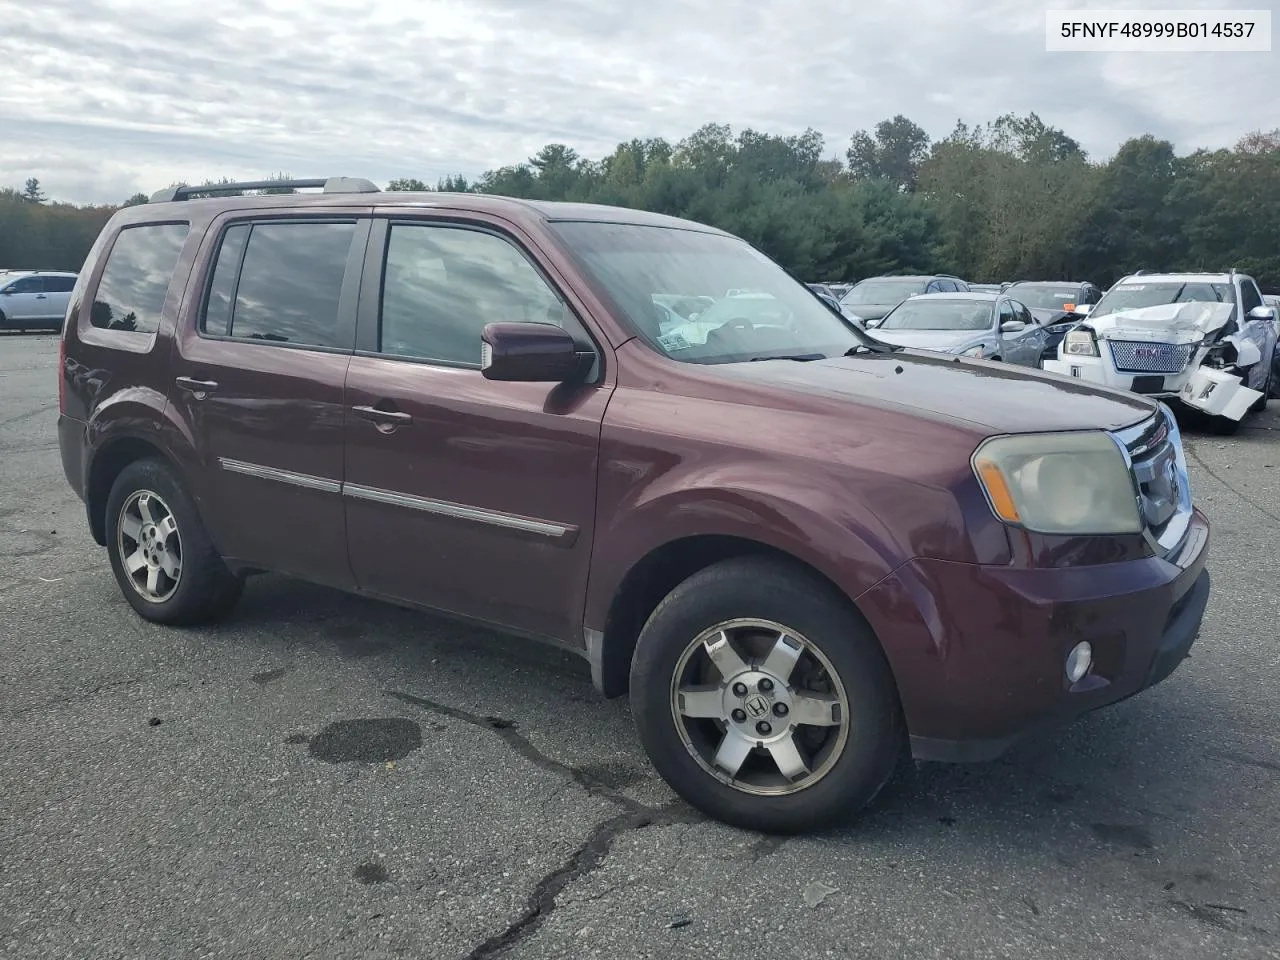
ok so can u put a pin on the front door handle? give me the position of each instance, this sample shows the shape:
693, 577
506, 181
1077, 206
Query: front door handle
41, 296
198, 388
385, 419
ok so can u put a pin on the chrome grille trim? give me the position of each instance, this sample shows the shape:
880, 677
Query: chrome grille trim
1157, 464
1137, 356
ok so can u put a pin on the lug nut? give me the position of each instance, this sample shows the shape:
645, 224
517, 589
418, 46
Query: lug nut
764, 728
766, 685
739, 689
739, 716
780, 710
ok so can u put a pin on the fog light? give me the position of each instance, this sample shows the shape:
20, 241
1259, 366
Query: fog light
1079, 660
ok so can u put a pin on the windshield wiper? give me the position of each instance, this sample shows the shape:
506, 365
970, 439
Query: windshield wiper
794, 356
874, 346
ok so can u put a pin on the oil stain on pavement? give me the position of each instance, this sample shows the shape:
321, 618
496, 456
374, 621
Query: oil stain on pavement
366, 741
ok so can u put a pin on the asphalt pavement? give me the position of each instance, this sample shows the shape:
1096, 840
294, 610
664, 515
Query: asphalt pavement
325, 777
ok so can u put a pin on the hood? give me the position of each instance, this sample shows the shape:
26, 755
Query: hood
994, 396
943, 340
1166, 323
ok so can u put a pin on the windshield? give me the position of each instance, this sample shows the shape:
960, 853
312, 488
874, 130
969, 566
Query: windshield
1046, 297
638, 267
884, 291
939, 315
1134, 296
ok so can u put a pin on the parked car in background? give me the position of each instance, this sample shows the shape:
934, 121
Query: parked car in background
804, 552
34, 299
1053, 304
989, 326
1204, 340
872, 298
838, 290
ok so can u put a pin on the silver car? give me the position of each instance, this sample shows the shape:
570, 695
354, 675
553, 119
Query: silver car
34, 299
986, 325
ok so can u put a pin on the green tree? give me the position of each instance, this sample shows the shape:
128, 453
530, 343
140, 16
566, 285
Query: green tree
894, 152
31, 191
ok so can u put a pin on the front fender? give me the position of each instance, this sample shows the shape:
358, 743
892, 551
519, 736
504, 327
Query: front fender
808, 518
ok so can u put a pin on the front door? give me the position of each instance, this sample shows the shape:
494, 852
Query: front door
259, 369
463, 494
23, 300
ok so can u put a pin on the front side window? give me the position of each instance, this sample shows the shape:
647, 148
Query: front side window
287, 286
942, 314
135, 281
27, 285
753, 308
442, 285
1249, 296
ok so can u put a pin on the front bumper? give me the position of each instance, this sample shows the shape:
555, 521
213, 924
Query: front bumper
979, 652
1100, 370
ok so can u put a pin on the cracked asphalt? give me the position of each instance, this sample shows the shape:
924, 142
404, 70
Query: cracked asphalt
325, 777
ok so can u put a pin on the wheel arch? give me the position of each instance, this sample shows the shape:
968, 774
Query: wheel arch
106, 465
656, 574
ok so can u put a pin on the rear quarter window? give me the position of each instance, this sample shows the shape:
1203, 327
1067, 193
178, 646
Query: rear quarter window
135, 280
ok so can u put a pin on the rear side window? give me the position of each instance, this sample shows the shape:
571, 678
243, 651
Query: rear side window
136, 278
280, 282
59, 284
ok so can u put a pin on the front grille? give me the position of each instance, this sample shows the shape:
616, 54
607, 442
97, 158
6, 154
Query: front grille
1136, 356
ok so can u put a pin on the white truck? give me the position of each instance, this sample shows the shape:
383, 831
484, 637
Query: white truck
1203, 340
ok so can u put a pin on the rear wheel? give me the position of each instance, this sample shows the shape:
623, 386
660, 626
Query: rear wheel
764, 700
162, 557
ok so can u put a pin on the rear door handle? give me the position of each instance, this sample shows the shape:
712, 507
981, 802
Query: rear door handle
41, 296
383, 418
200, 388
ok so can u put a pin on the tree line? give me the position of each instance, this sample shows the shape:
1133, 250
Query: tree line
1011, 199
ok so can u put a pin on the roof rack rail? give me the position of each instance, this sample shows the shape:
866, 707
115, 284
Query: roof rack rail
329, 185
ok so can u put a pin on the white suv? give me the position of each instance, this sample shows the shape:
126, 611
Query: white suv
1205, 340
34, 299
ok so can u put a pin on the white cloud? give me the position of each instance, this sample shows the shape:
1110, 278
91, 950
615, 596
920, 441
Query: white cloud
102, 98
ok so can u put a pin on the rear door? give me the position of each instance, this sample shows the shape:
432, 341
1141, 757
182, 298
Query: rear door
58, 291
468, 495
260, 364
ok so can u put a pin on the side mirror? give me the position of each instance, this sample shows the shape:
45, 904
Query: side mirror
529, 352
1082, 309
1262, 313
1012, 326
872, 324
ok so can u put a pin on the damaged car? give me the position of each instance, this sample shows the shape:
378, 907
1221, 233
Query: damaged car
1204, 340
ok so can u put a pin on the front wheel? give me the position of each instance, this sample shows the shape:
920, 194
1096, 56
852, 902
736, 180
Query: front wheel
764, 699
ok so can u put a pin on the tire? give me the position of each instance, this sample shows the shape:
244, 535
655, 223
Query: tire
192, 583
1260, 404
857, 756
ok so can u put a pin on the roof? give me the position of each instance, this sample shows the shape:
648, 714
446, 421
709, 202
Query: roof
16, 271
959, 295
1176, 278
347, 192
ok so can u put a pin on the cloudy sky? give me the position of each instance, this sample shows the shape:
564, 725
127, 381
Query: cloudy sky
103, 98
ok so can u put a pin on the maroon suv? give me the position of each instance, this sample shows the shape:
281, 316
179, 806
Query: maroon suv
803, 551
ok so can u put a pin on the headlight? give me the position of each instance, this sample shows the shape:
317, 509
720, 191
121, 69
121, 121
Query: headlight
973, 352
1074, 483
1080, 343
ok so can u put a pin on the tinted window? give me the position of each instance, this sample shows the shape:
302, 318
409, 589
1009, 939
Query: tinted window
443, 284
136, 278
222, 290
1249, 296
59, 284
290, 283
28, 285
